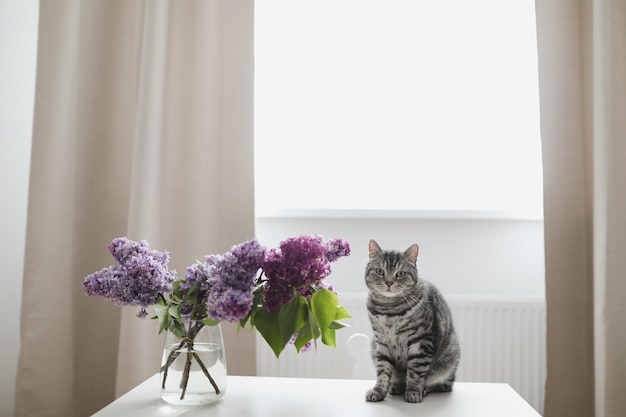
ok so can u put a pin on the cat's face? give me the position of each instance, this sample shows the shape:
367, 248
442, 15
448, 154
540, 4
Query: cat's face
391, 273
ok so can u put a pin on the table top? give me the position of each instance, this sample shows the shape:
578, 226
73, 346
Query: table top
249, 396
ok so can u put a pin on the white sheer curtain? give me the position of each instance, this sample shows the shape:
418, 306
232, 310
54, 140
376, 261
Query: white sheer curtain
143, 128
582, 74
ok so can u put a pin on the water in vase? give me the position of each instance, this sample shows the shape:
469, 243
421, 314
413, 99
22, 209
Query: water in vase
200, 388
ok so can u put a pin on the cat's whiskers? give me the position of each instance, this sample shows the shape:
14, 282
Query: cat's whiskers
418, 302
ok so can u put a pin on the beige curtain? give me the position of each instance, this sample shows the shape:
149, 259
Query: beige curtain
582, 76
143, 128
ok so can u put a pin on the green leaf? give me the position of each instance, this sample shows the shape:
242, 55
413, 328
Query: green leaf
342, 313
267, 324
304, 337
310, 332
191, 289
328, 337
336, 325
175, 295
209, 322
292, 317
257, 304
163, 316
174, 310
243, 322
324, 308
177, 328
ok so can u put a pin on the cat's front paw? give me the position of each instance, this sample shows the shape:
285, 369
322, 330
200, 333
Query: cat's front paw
374, 395
414, 396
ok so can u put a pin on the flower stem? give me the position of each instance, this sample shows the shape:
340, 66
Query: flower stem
170, 360
206, 372
185, 379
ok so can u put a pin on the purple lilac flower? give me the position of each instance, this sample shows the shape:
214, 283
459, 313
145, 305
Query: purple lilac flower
122, 248
138, 281
337, 248
298, 263
198, 274
105, 283
250, 255
276, 294
232, 276
229, 304
309, 290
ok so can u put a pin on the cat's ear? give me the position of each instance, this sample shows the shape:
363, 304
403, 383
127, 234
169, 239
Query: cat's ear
375, 250
411, 253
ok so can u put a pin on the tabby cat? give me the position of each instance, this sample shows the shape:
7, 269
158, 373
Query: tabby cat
415, 348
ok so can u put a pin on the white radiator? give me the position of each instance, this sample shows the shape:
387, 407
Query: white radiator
502, 340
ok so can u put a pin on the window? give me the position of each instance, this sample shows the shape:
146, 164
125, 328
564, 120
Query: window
397, 105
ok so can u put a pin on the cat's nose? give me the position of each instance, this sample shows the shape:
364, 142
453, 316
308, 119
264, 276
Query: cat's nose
389, 283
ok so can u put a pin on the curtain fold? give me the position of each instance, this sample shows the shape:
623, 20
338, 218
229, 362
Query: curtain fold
142, 128
582, 80
145, 182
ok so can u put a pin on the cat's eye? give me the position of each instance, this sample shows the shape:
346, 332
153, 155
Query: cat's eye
380, 271
400, 274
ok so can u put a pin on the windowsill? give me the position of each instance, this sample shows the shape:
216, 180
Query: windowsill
399, 214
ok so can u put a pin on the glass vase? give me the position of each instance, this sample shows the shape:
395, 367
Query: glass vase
193, 369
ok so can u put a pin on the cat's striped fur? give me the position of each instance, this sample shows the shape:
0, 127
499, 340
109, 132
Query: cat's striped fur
415, 348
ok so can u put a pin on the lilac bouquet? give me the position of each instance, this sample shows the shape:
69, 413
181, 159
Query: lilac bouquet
280, 292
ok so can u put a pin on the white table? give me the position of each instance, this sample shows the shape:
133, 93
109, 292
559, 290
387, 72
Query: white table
304, 397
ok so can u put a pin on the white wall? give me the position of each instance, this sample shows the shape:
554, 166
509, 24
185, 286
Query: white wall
18, 40
461, 256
